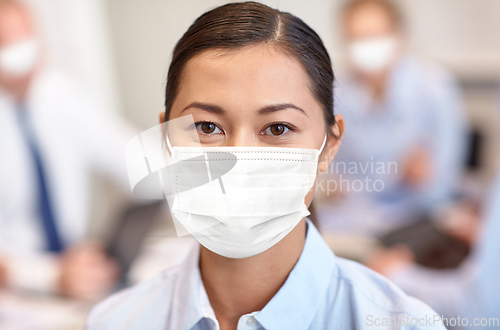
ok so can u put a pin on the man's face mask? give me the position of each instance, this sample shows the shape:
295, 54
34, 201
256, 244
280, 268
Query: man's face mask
373, 55
19, 59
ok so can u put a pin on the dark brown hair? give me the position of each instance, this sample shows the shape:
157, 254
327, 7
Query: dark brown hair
240, 24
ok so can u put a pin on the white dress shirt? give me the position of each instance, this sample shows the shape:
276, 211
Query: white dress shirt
75, 136
321, 292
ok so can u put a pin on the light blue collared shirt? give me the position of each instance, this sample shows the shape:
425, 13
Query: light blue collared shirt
321, 292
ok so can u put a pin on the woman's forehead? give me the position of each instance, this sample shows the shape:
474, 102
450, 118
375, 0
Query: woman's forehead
252, 74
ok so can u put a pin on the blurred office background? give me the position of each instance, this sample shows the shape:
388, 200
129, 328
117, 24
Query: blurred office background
121, 49
458, 34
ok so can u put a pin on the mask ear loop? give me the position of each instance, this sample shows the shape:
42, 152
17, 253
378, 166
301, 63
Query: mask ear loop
169, 146
323, 145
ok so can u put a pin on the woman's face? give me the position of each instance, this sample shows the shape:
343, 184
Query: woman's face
253, 96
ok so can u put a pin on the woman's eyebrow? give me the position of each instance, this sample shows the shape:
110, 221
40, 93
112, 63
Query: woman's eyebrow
205, 106
212, 108
282, 106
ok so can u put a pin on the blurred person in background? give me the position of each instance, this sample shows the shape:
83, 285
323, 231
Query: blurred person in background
405, 148
470, 291
52, 135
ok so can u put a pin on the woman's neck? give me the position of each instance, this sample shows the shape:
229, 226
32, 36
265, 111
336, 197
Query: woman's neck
240, 286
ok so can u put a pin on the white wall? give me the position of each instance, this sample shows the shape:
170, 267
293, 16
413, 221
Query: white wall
462, 34
76, 38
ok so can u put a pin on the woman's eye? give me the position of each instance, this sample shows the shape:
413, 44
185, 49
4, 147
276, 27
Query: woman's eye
208, 128
276, 129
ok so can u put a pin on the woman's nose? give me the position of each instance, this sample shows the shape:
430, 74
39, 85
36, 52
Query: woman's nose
243, 139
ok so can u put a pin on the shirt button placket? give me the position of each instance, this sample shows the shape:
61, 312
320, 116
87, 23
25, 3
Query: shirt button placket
251, 321
248, 322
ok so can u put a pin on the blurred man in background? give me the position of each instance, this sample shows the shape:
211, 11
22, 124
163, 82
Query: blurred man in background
52, 136
405, 135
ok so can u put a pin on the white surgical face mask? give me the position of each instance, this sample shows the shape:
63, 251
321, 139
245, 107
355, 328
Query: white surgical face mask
20, 58
373, 55
253, 206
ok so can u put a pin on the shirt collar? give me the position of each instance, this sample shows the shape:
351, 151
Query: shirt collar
293, 306
186, 303
296, 303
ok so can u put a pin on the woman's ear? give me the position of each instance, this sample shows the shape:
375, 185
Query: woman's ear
162, 117
333, 144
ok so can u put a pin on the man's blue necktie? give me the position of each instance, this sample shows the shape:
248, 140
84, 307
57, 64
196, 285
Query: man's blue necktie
47, 216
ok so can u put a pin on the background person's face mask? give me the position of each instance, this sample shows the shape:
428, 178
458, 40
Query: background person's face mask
19, 59
373, 55
257, 203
